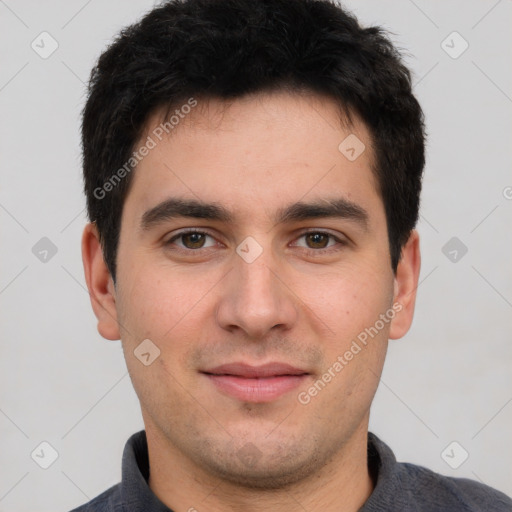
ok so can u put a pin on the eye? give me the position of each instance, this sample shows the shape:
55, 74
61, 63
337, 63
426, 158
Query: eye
191, 239
316, 242
319, 241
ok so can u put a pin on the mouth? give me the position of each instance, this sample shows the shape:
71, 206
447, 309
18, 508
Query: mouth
257, 384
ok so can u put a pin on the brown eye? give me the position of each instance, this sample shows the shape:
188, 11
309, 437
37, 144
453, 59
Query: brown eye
193, 240
317, 243
190, 240
318, 240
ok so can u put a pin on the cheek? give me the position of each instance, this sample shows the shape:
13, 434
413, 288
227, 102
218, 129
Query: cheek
347, 301
166, 311
351, 306
165, 305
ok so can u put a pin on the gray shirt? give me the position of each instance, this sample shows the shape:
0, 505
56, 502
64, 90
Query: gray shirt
401, 487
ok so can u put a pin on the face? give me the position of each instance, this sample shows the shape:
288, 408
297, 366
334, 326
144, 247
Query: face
262, 282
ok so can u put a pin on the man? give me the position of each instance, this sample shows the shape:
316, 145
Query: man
253, 172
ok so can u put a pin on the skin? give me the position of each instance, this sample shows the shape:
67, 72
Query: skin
209, 307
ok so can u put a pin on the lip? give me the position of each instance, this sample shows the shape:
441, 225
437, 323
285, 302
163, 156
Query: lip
256, 384
272, 369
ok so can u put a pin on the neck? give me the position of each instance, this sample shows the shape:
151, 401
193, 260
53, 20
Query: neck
343, 484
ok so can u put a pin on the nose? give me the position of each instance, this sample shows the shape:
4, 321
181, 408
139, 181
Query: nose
256, 299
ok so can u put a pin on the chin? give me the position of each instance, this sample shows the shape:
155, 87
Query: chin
253, 468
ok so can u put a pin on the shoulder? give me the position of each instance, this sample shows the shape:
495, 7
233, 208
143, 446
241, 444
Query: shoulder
438, 492
107, 501
413, 488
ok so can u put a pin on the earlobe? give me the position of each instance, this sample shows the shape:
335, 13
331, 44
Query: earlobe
100, 284
405, 286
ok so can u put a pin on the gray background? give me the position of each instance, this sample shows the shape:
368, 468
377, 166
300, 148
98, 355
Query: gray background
448, 380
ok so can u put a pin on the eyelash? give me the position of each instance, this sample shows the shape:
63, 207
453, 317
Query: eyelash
305, 233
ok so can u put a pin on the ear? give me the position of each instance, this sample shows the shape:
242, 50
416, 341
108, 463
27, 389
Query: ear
99, 283
406, 284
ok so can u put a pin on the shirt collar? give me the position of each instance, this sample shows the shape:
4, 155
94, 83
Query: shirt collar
136, 495
388, 493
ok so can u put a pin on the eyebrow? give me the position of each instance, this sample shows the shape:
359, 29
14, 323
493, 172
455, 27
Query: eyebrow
172, 208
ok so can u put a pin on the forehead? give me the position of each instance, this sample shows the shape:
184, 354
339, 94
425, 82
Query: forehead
254, 154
